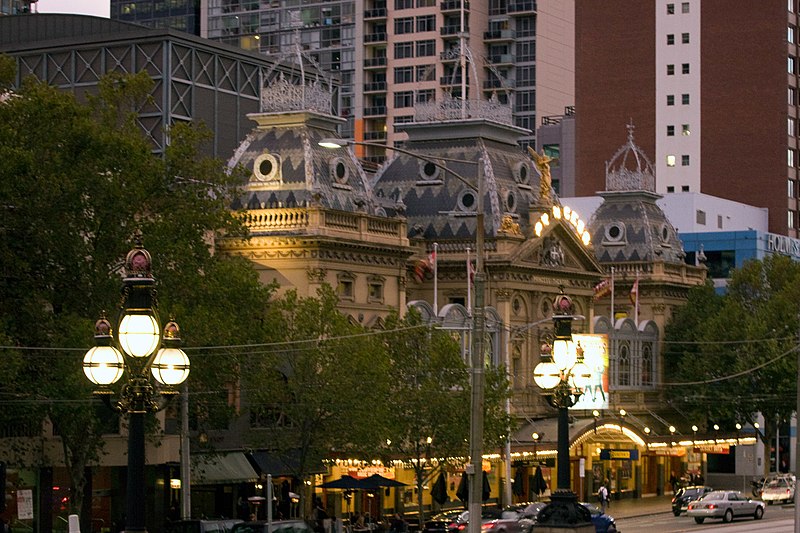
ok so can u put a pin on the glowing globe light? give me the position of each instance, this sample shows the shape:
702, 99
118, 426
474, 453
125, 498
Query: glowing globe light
564, 354
546, 375
139, 335
103, 365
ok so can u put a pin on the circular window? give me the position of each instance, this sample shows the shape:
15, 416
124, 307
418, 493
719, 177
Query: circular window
428, 170
466, 202
615, 232
511, 201
339, 170
522, 172
265, 167
665, 233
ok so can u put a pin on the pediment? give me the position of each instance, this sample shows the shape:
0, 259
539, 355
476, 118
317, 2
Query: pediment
558, 247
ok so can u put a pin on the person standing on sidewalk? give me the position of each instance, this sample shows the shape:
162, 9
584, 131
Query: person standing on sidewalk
602, 494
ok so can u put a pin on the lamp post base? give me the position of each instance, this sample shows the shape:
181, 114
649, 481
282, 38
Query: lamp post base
563, 515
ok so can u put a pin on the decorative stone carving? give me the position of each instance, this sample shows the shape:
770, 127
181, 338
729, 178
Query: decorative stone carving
552, 254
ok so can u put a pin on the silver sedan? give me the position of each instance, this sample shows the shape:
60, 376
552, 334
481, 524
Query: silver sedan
725, 504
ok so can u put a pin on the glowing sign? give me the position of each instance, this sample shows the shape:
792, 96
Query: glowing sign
568, 215
595, 355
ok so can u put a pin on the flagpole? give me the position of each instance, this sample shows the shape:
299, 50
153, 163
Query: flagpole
435, 279
612, 298
636, 303
469, 284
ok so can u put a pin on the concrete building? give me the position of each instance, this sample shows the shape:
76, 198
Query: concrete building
719, 120
391, 55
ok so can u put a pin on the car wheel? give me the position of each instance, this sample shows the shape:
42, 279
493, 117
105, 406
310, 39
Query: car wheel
699, 519
759, 513
728, 516
676, 513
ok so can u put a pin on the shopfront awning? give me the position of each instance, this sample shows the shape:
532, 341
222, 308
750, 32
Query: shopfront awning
217, 469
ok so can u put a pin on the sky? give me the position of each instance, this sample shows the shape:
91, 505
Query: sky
99, 8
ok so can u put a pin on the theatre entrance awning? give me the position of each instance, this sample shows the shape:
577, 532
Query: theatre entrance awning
221, 468
282, 464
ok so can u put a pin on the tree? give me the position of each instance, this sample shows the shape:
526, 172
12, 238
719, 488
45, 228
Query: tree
77, 182
430, 397
321, 389
731, 357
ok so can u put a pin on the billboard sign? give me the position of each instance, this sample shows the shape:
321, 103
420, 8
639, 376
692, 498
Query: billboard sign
595, 354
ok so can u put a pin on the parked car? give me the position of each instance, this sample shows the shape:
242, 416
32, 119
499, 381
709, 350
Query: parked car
527, 513
778, 489
725, 504
493, 520
602, 522
680, 502
223, 525
278, 526
440, 523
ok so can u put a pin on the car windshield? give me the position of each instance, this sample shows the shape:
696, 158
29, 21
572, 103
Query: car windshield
777, 483
714, 496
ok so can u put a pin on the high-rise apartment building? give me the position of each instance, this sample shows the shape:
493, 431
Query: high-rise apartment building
16, 7
391, 55
183, 15
710, 87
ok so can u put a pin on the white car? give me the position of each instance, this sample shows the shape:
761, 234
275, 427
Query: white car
725, 504
778, 490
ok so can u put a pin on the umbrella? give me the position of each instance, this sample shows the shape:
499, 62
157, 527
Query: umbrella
376, 481
344, 482
539, 484
463, 488
519, 481
439, 490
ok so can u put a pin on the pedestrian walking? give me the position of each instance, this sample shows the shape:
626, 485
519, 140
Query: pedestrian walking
602, 495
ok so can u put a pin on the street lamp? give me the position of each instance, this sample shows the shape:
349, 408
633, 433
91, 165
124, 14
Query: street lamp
475, 467
136, 350
563, 375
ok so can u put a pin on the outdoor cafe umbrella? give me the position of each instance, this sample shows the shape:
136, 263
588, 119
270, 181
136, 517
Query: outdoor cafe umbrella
344, 482
463, 488
519, 481
439, 490
539, 484
377, 481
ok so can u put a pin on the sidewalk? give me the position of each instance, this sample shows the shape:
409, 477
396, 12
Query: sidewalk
646, 505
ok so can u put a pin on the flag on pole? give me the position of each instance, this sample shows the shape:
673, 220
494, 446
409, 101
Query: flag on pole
602, 289
432, 262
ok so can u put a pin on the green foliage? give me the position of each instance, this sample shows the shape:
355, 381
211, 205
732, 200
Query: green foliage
8, 71
76, 183
730, 357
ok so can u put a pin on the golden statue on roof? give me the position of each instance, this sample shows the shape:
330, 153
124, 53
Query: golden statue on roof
545, 179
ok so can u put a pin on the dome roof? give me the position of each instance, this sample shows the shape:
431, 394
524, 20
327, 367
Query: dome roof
288, 168
629, 225
441, 206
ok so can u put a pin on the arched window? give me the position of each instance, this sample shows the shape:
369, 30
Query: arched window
647, 365
624, 365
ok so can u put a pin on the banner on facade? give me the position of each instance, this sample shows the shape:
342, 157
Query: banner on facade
616, 455
595, 355
674, 452
723, 449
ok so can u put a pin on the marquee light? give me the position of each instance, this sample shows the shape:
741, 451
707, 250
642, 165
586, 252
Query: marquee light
565, 212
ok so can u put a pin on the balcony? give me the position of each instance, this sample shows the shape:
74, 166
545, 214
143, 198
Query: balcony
375, 62
453, 5
452, 30
450, 80
519, 7
378, 13
501, 59
375, 111
379, 37
375, 86
499, 35
490, 85
375, 136
449, 56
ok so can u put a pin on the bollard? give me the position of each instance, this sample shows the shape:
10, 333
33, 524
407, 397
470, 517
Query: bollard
74, 524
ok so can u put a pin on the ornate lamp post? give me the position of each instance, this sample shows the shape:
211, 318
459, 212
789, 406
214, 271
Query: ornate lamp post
563, 375
136, 350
